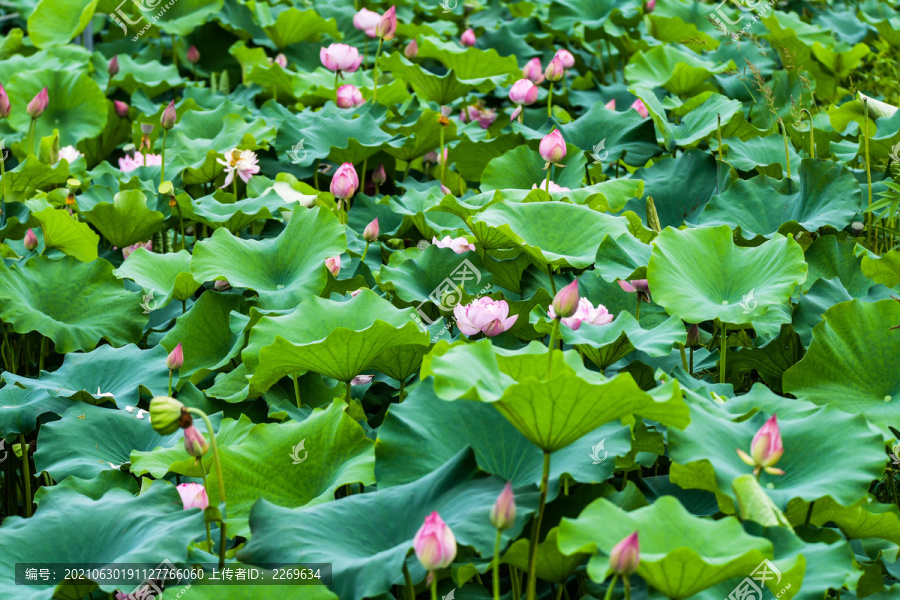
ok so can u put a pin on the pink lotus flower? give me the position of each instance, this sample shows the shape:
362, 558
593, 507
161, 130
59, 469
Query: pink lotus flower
484, 116
242, 162
30, 241
378, 175
434, 543
128, 250
533, 71
370, 233
523, 92
553, 148
640, 108
565, 302
193, 495
38, 104
485, 315
503, 513
193, 55
345, 182
130, 163
611, 105
349, 96
585, 313
555, 70
169, 116
553, 187
765, 449
5, 106
340, 58
412, 49
194, 442
69, 153
362, 379
638, 286
366, 20
458, 245
387, 26
333, 264
467, 38
651, 4
112, 66
280, 60
121, 108
175, 359
626, 556
568, 61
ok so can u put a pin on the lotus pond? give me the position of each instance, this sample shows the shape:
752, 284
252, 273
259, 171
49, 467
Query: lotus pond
470, 300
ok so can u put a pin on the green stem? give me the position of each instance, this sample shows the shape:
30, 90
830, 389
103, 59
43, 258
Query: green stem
683, 358
296, 389
812, 133
162, 171
3, 191
348, 394
554, 329
552, 281
637, 315
442, 158
787, 155
181, 225
550, 101
536, 531
41, 356
375, 71
719, 134
547, 185
869, 215
31, 136
433, 576
219, 476
26, 473
402, 386
612, 586
171, 372
723, 343
234, 181
497, 565
410, 589
516, 582
627, 588
809, 511
205, 487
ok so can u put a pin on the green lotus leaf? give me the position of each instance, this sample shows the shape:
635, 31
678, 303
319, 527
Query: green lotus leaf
827, 194
523, 167
624, 136
98, 376
182, 17
367, 564
470, 156
551, 565
755, 505
68, 235
87, 304
545, 231
93, 488
421, 137
850, 362
168, 274
337, 339
150, 76
762, 154
54, 23
866, 518
471, 65
884, 270
575, 16
830, 257
680, 554
679, 71
699, 275
293, 464
219, 209
443, 89
400, 362
114, 529
20, 408
126, 220
282, 270
621, 257
551, 409
417, 278
293, 26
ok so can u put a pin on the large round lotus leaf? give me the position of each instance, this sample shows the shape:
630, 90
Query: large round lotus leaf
625, 134
424, 432
523, 167
20, 408
864, 519
337, 339
293, 464
416, 279
551, 409
679, 71
714, 439
163, 276
114, 529
68, 235
367, 563
680, 554
283, 270
213, 211
97, 377
87, 304
56, 22
851, 363
126, 220
77, 107
547, 231
826, 194
700, 275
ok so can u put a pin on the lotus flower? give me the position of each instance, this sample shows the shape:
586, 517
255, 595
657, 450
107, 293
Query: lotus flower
639, 286
345, 182
651, 4
69, 153
221, 285
503, 513
484, 116
333, 264
387, 26
370, 233
523, 92
565, 302
362, 379
280, 60
533, 71
169, 116
193, 55
366, 20
626, 556
194, 442
765, 449
349, 96
611, 105
411, 50
130, 163
458, 245
242, 162
5, 106
434, 543
31, 241
584, 313
112, 66
379, 176
568, 61
121, 108
128, 250
340, 58
467, 38
485, 315
553, 148
555, 70
175, 359
640, 108
193, 495
553, 187
38, 104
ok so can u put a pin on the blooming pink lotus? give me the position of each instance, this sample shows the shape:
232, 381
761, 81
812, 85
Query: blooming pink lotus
345, 182
242, 162
280, 60
349, 96
340, 58
484, 116
523, 92
458, 245
639, 286
553, 148
566, 57
533, 71
333, 264
387, 25
625, 556
69, 153
366, 20
640, 108
467, 38
585, 313
485, 315
193, 495
5, 106
129, 250
553, 187
765, 449
434, 543
130, 163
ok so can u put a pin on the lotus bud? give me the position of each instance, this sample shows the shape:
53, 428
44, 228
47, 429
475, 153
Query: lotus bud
434, 543
378, 175
4, 103
611, 105
345, 181
693, 336
349, 96
765, 449
565, 57
121, 108
533, 70
38, 104
412, 49
370, 234
555, 70
31, 241
387, 26
553, 147
113, 66
626, 556
503, 513
565, 303
193, 55
281, 60
193, 495
194, 442
169, 116
361, 379
175, 360
468, 38
168, 414
333, 264
221, 285
651, 4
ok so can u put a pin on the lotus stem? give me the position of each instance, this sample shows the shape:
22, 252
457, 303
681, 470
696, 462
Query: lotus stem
234, 181
552, 282
205, 487
497, 565
683, 357
550, 101
869, 215
552, 345
2, 192
296, 389
433, 586
536, 531
171, 372
162, 162
41, 356
348, 397
31, 128
375, 71
627, 587
547, 184
612, 586
410, 589
812, 133
516, 582
26, 474
218, 463
442, 158
402, 386
787, 156
719, 134
723, 344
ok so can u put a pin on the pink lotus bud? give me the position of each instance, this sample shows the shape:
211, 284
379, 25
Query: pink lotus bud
503, 513
611, 105
176, 358
281, 60
445, 190
121, 108
169, 116
193, 495
434, 543
370, 233
553, 147
345, 182
387, 26
113, 66
412, 49
523, 92
193, 55
765, 449
333, 264
566, 301
378, 175
568, 61
640, 108
693, 336
626, 555
349, 96
651, 4
31, 241
533, 70
194, 442
639, 286
221, 285
38, 104
468, 38
340, 57
4, 103
555, 70
362, 379
367, 20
